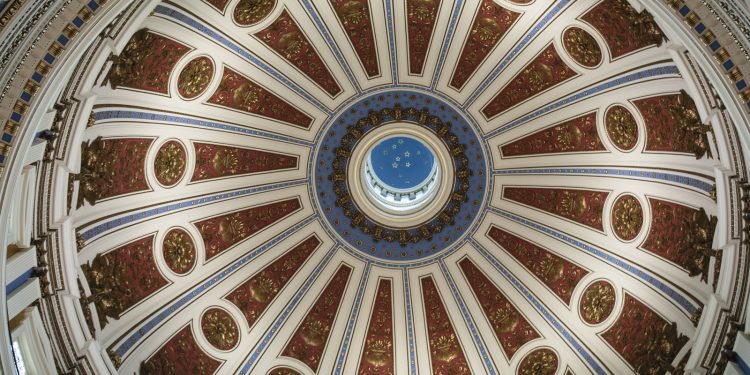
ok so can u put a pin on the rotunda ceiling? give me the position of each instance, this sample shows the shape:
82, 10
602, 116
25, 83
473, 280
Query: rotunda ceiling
227, 221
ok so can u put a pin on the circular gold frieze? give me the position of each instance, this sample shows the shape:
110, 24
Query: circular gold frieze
582, 47
170, 162
597, 302
627, 217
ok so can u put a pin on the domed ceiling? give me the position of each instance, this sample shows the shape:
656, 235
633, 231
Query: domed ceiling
224, 224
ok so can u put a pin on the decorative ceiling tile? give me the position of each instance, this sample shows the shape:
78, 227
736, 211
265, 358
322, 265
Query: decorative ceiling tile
146, 62
582, 206
560, 275
238, 92
214, 161
546, 70
511, 328
309, 340
254, 295
222, 232
285, 37
576, 135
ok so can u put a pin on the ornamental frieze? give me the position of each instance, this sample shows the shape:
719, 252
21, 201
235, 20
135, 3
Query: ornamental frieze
420, 17
624, 29
180, 355
582, 206
240, 93
285, 37
122, 277
673, 124
354, 16
542, 73
576, 135
511, 328
559, 274
214, 161
647, 341
146, 62
378, 353
490, 24
221, 232
683, 235
446, 354
310, 338
111, 167
253, 296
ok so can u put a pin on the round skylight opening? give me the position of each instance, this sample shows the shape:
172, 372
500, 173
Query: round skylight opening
401, 174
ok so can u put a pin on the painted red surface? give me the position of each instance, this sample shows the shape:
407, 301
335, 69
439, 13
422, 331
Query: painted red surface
663, 130
420, 18
119, 165
309, 341
560, 275
582, 206
254, 295
354, 16
575, 135
135, 271
285, 37
147, 64
377, 356
670, 233
218, 4
222, 232
238, 92
213, 161
545, 71
445, 350
632, 334
614, 21
490, 24
511, 328
180, 355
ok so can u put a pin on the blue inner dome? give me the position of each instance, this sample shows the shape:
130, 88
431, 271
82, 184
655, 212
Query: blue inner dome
401, 162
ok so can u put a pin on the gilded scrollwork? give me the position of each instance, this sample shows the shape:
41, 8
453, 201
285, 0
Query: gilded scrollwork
597, 302
644, 338
179, 251
627, 217
180, 355
195, 77
379, 232
121, 278
582, 47
146, 62
539, 362
250, 12
683, 235
170, 162
111, 167
621, 127
220, 329
624, 28
691, 129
